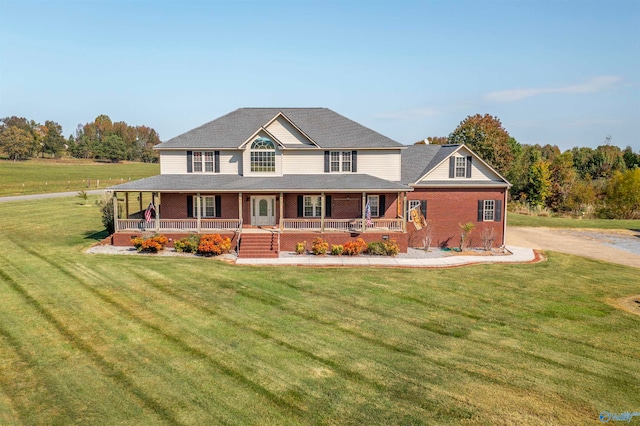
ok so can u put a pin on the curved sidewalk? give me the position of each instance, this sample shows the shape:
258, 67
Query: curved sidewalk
519, 255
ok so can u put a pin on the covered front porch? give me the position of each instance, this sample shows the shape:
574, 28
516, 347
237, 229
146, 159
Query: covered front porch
284, 212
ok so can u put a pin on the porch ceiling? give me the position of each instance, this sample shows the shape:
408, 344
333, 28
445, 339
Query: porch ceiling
289, 183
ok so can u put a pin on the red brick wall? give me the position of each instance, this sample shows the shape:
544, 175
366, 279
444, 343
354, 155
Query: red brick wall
343, 206
174, 206
447, 208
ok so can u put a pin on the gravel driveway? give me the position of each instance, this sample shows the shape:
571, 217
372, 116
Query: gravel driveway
616, 246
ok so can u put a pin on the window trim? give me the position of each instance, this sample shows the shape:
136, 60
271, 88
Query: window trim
341, 160
460, 167
371, 205
203, 206
203, 161
262, 156
489, 211
419, 202
315, 205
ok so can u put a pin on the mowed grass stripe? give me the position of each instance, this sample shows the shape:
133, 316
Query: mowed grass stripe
99, 361
144, 354
148, 274
520, 344
163, 330
303, 348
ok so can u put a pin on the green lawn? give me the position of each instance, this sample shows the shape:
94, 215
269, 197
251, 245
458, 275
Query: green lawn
37, 176
516, 219
98, 339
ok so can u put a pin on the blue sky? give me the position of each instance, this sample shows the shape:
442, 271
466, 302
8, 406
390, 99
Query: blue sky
559, 72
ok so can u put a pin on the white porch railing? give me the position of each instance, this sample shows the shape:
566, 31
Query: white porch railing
178, 225
341, 225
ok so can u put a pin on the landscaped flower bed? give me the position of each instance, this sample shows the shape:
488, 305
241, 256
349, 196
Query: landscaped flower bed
355, 247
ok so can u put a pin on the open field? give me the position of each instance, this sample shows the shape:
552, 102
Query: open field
516, 219
97, 339
38, 176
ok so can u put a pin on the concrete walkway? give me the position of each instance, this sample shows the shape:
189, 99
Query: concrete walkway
519, 255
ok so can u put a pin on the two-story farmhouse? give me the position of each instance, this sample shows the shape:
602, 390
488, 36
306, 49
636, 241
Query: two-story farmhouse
272, 177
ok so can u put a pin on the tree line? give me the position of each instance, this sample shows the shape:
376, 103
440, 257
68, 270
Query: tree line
602, 182
101, 139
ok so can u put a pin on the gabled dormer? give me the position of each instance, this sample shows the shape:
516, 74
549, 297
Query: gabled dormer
447, 165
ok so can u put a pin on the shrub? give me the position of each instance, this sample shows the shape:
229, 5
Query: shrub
383, 248
105, 204
487, 236
137, 242
301, 247
376, 248
319, 247
187, 244
354, 247
337, 249
150, 245
214, 245
391, 247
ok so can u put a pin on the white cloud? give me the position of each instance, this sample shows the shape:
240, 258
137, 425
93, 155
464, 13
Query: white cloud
593, 85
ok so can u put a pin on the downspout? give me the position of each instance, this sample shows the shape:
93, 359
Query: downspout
322, 212
504, 220
364, 209
115, 212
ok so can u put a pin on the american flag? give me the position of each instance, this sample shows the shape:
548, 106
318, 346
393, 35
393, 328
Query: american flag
148, 212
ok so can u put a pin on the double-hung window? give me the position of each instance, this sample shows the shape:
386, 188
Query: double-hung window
340, 161
489, 211
461, 167
197, 161
208, 162
203, 161
312, 206
374, 205
412, 205
207, 207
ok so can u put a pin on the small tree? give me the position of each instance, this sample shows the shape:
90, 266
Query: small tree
83, 196
106, 208
465, 234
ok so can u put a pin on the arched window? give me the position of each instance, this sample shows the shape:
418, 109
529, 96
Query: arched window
263, 156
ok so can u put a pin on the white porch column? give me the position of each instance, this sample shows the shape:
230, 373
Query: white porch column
322, 211
364, 211
281, 224
115, 212
157, 205
240, 207
405, 206
198, 212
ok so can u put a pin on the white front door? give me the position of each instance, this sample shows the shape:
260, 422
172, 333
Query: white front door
263, 211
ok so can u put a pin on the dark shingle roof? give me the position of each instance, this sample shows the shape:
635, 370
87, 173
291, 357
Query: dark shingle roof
324, 126
417, 160
234, 183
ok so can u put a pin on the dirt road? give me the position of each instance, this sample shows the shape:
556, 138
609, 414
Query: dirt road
596, 244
